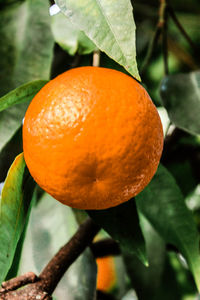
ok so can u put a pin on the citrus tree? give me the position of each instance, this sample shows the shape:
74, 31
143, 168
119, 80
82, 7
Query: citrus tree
128, 224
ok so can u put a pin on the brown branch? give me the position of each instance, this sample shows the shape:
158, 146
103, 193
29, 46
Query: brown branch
55, 269
17, 282
165, 46
165, 11
161, 28
163, 24
105, 247
181, 53
151, 47
180, 27
29, 292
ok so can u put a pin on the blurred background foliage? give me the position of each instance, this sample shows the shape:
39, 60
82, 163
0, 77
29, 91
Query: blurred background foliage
37, 43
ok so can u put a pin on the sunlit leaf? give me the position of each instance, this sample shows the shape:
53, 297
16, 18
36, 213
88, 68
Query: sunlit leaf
69, 37
109, 24
14, 206
13, 271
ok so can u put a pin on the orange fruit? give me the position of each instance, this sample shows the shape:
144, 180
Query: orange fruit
92, 138
106, 273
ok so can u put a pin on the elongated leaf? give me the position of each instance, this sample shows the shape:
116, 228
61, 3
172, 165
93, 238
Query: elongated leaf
13, 271
122, 223
10, 122
26, 55
51, 226
69, 37
27, 44
146, 281
15, 200
13, 148
181, 97
21, 94
162, 203
109, 24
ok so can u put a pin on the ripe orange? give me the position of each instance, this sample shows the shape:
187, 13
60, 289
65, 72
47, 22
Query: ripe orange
92, 138
106, 273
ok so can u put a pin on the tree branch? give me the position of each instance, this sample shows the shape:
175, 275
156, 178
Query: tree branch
17, 282
163, 24
161, 28
180, 27
55, 269
151, 47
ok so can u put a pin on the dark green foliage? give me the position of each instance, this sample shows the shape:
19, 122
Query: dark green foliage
161, 226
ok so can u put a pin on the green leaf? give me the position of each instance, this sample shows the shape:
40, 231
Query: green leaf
12, 117
122, 223
146, 281
51, 225
14, 205
162, 203
27, 44
109, 24
193, 199
178, 276
181, 97
21, 94
9, 152
13, 271
4, 3
26, 54
69, 37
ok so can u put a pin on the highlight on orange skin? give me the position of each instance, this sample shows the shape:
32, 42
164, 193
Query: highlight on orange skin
106, 273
